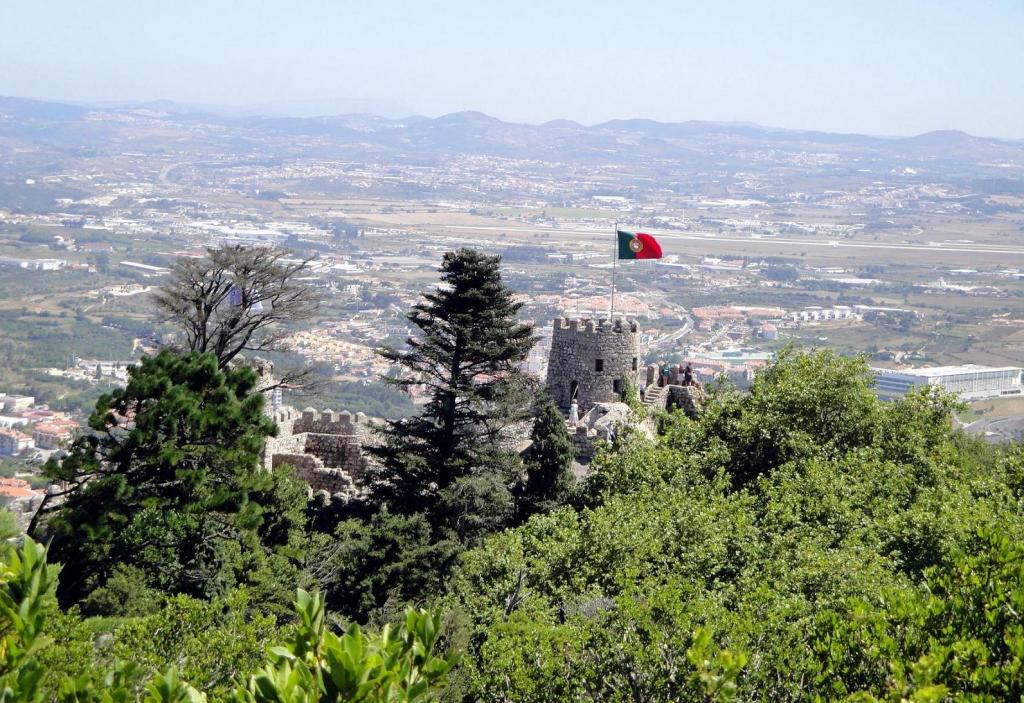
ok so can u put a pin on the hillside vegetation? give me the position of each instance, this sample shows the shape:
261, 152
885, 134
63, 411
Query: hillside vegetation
800, 542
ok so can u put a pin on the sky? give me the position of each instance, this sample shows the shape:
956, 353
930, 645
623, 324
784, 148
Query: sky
888, 67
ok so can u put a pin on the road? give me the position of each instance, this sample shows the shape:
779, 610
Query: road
165, 172
674, 336
998, 429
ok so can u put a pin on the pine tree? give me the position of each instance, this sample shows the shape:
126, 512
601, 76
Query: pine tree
549, 475
466, 355
168, 482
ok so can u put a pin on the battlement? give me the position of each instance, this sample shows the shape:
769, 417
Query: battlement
331, 422
591, 359
285, 414
324, 446
589, 325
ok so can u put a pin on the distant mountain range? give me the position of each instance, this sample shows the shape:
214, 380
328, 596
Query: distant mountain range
146, 125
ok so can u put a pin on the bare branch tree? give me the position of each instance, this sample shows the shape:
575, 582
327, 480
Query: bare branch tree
234, 299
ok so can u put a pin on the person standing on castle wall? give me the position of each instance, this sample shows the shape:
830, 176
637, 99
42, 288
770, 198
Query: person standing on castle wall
688, 375
574, 413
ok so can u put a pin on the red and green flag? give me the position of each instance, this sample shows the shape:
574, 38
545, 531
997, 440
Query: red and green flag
638, 245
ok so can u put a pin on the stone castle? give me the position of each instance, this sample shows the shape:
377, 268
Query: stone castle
325, 448
590, 361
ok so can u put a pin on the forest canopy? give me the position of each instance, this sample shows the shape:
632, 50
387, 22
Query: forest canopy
802, 541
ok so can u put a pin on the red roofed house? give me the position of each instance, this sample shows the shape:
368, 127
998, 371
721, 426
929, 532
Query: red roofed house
18, 497
51, 435
13, 489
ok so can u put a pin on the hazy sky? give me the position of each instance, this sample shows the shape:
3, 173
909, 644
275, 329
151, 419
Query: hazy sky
874, 66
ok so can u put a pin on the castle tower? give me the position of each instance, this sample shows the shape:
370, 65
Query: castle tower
267, 385
590, 360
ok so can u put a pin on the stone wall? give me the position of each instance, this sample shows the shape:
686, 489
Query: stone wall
286, 441
606, 419
662, 374
592, 358
299, 462
344, 452
331, 422
319, 477
689, 399
325, 448
665, 390
585, 443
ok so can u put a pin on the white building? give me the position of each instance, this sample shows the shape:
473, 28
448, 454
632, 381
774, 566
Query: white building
13, 442
44, 264
819, 314
970, 382
13, 403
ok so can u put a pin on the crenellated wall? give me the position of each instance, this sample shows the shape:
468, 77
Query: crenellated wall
590, 360
330, 422
325, 448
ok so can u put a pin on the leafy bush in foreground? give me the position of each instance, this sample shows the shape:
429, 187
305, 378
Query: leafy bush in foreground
315, 665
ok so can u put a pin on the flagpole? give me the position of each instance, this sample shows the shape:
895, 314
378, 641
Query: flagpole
615, 258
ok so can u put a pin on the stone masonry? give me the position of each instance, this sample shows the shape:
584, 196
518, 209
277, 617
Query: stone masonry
590, 360
325, 448
665, 389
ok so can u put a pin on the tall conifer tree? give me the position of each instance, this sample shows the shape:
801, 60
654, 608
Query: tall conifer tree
549, 477
168, 485
466, 355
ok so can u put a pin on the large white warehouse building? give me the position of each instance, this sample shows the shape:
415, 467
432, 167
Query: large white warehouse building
970, 382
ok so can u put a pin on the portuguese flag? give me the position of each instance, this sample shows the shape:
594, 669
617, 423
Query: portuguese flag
638, 245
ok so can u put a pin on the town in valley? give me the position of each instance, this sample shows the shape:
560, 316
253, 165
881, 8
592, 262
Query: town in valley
909, 251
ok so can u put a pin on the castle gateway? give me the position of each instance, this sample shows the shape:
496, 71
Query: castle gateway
590, 361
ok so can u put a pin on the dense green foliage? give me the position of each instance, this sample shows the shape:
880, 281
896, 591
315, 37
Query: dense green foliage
27, 584
211, 644
466, 356
41, 659
836, 543
549, 478
317, 665
800, 542
371, 566
870, 554
166, 494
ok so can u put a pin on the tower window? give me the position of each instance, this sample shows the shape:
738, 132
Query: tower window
617, 386
599, 365
634, 363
